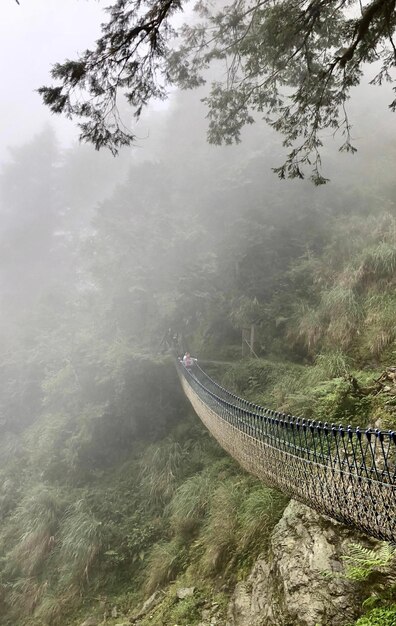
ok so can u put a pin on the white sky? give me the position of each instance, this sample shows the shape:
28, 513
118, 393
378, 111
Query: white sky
33, 36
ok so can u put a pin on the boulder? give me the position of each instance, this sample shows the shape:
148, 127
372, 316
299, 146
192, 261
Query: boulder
185, 592
299, 583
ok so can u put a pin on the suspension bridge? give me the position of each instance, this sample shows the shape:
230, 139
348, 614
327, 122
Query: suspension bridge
346, 473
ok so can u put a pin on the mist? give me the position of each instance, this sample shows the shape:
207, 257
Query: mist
111, 268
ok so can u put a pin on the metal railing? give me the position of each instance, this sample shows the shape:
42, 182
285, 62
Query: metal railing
344, 472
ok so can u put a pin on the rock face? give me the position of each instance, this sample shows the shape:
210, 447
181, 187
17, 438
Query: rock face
293, 585
185, 592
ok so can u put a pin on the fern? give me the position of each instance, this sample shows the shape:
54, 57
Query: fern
361, 562
379, 617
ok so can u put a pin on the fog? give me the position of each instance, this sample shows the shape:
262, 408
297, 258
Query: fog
112, 267
33, 36
55, 193
60, 201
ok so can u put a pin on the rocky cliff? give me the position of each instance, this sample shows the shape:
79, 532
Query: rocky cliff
299, 582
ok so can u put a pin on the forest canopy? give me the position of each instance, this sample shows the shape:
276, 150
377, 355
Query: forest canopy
292, 62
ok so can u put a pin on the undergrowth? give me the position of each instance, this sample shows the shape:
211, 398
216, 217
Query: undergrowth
105, 501
349, 302
180, 508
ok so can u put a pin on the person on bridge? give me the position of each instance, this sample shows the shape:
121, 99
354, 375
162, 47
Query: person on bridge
188, 361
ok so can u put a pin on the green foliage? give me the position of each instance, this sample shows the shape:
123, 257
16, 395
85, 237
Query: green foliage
379, 262
379, 323
219, 539
335, 401
319, 63
331, 365
258, 514
378, 617
361, 562
340, 301
35, 523
307, 326
351, 305
9, 494
254, 378
190, 503
106, 483
25, 594
81, 542
166, 560
54, 606
161, 466
186, 611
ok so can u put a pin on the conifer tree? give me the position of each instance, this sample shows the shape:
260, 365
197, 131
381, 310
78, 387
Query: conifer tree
292, 61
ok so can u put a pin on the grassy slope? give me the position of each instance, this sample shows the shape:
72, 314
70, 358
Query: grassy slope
83, 530
158, 516
177, 510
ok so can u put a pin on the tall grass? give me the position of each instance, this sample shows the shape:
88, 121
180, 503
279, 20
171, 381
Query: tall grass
379, 262
341, 310
330, 365
380, 323
160, 468
340, 300
81, 541
25, 595
219, 537
37, 519
259, 513
306, 326
166, 560
190, 503
53, 607
359, 263
46, 442
10, 447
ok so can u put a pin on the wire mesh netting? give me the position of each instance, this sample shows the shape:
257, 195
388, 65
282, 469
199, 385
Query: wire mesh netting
344, 472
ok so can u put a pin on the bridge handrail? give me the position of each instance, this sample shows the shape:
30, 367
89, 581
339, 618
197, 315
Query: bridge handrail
369, 453
347, 473
264, 410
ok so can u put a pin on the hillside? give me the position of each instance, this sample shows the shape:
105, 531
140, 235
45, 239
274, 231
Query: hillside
111, 490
